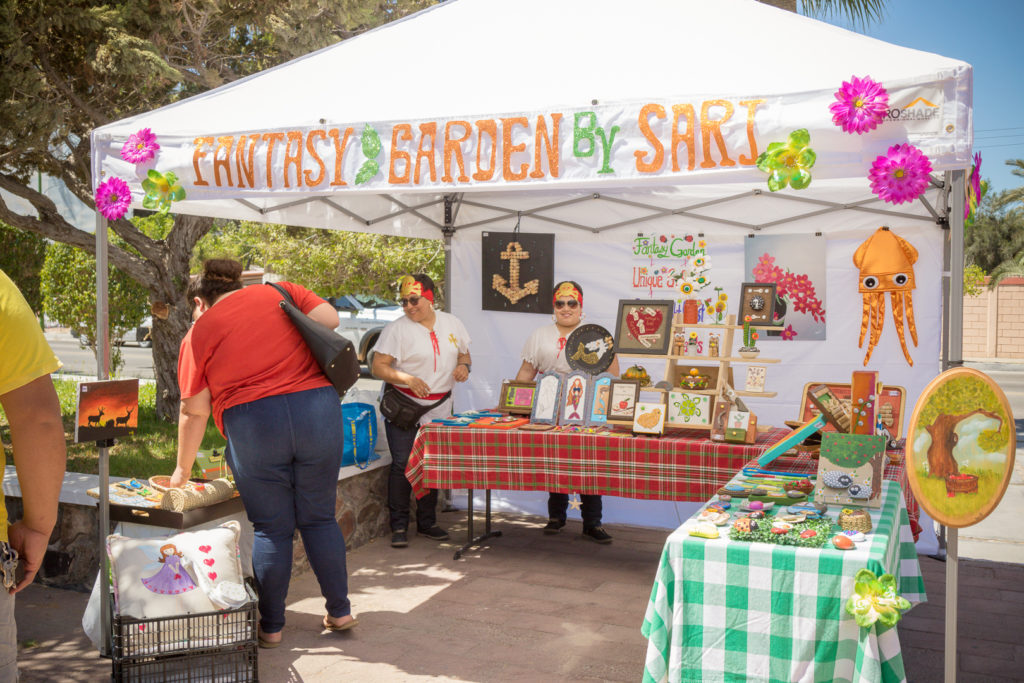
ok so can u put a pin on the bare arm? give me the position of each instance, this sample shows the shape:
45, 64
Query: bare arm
384, 369
326, 315
40, 456
192, 419
527, 372
461, 372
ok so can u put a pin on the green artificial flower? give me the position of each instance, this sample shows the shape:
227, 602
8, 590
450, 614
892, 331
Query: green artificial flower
875, 599
788, 163
161, 189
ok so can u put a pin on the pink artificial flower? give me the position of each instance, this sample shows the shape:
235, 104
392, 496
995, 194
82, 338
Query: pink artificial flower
900, 176
139, 147
789, 333
973, 187
113, 198
861, 105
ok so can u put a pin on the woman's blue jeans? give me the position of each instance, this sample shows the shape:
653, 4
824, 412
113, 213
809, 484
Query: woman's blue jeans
285, 453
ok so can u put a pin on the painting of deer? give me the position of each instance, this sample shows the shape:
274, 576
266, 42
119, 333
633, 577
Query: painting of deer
124, 420
95, 419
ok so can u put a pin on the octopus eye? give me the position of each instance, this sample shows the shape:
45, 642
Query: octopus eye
900, 278
870, 282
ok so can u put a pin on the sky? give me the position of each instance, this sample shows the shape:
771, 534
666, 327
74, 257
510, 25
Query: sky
987, 35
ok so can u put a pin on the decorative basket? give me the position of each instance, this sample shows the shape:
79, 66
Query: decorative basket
961, 483
694, 382
855, 520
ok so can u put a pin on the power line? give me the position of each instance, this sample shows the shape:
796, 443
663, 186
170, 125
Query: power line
1000, 137
993, 130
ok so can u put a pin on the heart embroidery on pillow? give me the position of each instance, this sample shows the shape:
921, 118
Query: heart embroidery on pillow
208, 562
212, 575
205, 548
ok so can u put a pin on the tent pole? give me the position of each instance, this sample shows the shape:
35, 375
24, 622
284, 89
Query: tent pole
955, 323
448, 230
102, 373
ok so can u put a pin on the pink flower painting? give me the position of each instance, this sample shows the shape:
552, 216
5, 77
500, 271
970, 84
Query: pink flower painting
113, 198
860, 105
139, 147
901, 175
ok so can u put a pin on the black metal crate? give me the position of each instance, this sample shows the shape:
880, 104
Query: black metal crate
208, 646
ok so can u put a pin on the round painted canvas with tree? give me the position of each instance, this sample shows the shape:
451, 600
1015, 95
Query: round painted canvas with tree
960, 447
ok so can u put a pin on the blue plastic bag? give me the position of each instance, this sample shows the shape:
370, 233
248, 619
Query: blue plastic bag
360, 434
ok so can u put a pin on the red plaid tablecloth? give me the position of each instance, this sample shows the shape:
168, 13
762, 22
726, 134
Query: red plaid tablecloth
682, 466
895, 470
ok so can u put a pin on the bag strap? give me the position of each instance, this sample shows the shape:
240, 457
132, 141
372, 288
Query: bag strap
284, 292
427, 408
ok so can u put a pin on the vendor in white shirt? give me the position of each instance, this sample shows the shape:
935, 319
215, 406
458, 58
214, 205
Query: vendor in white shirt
544, 351
422, 354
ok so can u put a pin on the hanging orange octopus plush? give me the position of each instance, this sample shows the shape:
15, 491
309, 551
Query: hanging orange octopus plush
886, 263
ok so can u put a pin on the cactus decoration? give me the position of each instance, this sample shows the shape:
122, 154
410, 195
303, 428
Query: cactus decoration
370, 142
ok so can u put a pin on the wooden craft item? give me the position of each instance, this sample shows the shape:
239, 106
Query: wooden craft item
649, 418
517, 397
850, 470
837, 414
889, 409
795, 439
863, 401
718, 417
757, 299
506, 422
532, 427
739, 429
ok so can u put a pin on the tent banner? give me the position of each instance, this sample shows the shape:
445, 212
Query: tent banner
710, 139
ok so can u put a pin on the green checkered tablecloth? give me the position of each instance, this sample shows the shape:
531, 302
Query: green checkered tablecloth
724, 610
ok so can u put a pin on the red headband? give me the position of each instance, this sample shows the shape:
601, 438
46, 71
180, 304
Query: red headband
567, 289
412, 286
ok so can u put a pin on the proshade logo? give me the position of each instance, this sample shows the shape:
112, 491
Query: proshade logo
918, 109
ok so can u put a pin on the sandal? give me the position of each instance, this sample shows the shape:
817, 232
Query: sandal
343, 627
267, 644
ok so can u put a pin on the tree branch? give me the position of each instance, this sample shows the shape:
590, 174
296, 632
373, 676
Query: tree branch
55, 79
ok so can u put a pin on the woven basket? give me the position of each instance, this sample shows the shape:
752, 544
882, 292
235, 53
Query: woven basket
964, 483
856, 520
192, 496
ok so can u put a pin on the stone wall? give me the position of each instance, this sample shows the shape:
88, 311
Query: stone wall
994, 322
72, 558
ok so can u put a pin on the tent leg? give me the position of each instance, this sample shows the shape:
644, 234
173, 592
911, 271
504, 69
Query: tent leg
102, 373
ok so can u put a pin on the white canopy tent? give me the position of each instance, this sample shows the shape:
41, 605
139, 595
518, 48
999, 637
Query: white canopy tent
592, 120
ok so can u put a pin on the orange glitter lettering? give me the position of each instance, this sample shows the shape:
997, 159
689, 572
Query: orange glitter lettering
245, 166
490, 127
225, 143
659, 149
406, 134
709, 127
507, 148
339, 153
453, 147
197, 155
751, 106
311, 148
427, 131
552, 146
679, 110
271, 139
293, 158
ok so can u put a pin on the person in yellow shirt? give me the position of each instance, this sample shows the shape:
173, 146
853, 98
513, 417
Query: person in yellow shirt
30, 402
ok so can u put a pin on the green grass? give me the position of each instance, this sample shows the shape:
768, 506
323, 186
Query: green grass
151, 450
962, 504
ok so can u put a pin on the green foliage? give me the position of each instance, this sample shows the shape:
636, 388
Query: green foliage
21, 257
1015, 195
961, 396
330, 262
852, 451
763, 534
996, 237
153, 449
69, 289
974, 280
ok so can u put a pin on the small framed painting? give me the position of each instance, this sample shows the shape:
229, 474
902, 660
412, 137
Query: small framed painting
574, 406
649, 418
756, 375
623, 397
546, 395
757, 299
600, 392
644, 327
517, 397
687, 408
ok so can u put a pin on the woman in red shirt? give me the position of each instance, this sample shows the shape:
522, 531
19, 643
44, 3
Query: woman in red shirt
244, 362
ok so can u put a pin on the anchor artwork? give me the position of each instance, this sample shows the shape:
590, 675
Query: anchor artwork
517, 267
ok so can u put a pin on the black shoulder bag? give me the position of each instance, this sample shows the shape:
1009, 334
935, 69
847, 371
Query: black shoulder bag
402, 411
335, 355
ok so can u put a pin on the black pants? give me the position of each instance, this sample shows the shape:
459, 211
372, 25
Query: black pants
558, 504
399, 489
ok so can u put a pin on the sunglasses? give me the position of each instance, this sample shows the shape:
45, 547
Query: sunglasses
411, 301
571, 303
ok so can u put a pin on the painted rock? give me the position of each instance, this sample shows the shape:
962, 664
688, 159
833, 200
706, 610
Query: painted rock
793, 493
758, 492
860, 491
855, 536
793, 518
781, 528
719, 505
704, 530
808, 533
742, 525
842, 542
756, 514
755, 505
836, 479
820, 507
716, 517
724, 498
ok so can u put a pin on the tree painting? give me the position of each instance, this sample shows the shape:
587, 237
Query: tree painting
960, 447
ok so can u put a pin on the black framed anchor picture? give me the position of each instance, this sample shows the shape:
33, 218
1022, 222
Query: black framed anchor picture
518, 271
